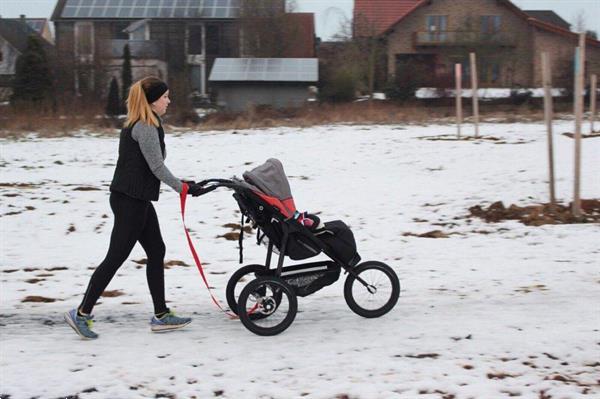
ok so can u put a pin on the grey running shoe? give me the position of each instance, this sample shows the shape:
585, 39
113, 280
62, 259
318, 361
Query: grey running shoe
168, 322
81, 324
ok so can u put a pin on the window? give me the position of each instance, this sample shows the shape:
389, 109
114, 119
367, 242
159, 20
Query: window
437, 26
213, 40
195, 38
490, 24
84, 81
117, 30
490, 72
1, 56
141, 33
465, 65
84, 40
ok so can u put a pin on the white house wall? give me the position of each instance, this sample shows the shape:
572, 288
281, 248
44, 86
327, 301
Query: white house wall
9, 58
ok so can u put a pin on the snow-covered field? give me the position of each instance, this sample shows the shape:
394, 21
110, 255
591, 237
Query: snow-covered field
493, 311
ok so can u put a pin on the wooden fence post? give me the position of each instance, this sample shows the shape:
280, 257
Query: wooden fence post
474, 88
458, 78
593, 95
579, 83
548, 114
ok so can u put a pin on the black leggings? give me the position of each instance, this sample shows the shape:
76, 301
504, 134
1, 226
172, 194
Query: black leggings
135, 220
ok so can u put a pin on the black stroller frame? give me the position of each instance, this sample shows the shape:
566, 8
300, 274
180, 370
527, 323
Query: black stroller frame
272, 280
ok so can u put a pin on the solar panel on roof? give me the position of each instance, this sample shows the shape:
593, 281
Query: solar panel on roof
151, 9
265, 69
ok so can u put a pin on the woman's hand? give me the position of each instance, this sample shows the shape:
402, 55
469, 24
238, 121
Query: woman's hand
196, 189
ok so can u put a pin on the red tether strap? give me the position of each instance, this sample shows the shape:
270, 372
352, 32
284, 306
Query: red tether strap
183, 197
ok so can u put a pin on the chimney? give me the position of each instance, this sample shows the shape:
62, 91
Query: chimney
22, 17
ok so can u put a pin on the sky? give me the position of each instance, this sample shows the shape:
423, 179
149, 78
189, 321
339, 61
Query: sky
331, 13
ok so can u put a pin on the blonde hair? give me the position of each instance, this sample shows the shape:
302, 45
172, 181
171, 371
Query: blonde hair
138, 108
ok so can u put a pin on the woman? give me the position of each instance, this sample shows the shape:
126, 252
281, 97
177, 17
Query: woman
136, 182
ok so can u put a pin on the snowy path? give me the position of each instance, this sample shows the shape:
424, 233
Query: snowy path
494, 311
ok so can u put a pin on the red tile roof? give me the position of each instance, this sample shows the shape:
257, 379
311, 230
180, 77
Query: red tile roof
373, 17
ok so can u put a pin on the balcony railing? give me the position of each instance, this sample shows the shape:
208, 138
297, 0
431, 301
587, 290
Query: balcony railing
463, 38
140, 49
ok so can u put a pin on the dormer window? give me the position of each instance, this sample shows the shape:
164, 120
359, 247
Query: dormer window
139, 30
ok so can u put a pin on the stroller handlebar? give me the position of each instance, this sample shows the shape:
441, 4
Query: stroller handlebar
212, 184
205, 182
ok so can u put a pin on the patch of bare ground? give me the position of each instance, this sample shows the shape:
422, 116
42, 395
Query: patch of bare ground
569, 380
237, 226
112, 293
583, 136
231, 236
37, 298
476, 140
500, 375
168, 264
540, 214
424, 356
19, 185
430, 234
445, 395
171, 263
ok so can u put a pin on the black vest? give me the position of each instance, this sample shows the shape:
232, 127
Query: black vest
133, 176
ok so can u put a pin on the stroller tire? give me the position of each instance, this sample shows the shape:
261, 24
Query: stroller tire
381, 295
267, 306
236, 278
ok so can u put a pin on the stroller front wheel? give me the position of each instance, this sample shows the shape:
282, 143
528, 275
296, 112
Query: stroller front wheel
267, 306
380, 294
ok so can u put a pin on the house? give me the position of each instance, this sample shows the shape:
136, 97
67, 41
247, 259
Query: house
13, 42
423, 39
277, 82
178, 41
40, 25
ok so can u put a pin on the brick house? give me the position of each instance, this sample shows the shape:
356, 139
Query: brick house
176, 40
423, 39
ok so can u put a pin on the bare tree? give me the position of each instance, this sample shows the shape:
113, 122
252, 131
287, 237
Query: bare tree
579, 18
266, 28
360, 55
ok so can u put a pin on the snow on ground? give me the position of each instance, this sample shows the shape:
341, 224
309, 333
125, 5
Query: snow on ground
493, 311
485, 93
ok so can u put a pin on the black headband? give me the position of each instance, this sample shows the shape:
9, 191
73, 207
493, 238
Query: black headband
155, 91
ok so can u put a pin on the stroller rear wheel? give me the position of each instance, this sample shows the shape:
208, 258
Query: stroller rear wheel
232, 292
267, 306
380, 294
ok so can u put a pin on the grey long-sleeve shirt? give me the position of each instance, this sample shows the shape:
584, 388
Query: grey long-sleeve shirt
147, 138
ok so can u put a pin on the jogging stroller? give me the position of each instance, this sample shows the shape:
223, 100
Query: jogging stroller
267, 305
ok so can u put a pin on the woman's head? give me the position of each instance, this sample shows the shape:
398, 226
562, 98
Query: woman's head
146, 97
